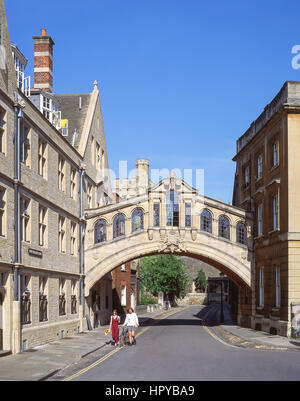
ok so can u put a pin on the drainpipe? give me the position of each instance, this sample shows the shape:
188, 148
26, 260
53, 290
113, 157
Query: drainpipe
16, 332
81, 244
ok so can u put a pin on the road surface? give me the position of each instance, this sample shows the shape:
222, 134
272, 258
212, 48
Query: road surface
179, 348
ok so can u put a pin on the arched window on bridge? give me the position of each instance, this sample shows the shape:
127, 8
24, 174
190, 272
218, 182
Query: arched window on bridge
137, 220
241, 233
100, 231
224, 227
172, 209
119, 226
206, 221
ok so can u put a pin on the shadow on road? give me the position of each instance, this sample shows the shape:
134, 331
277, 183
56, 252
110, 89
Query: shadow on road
211, 320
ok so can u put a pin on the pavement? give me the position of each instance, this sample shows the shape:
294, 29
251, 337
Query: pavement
40, 363
250, 338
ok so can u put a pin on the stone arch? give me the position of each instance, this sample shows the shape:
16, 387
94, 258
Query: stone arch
233, 262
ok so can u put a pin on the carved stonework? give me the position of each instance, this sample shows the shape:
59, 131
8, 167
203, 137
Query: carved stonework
171, 242
194, 234
150, 234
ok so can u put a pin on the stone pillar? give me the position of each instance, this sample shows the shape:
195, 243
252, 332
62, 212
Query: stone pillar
16, 332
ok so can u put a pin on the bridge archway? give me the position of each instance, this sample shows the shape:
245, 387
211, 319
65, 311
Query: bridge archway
105, 258
186, 224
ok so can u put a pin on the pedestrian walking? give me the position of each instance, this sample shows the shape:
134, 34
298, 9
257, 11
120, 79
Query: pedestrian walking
114, 327
132, 323
167, 301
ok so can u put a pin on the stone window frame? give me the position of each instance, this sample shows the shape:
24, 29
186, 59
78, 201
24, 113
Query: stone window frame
275, 211
62, 234
123, 295
188, 214
206, 219
156, 214
272, 142
43, 158
260, 219
246, 175
61, 174
62, 297
73, 238
172, 208
74, 296
3, 129
98, 156
96, 236
3, 208
224, 230
259, 165
43, 226
122, 230
73, 183
43, 296
241, 235
89, 194
137, 212
261, 287
25, 217
277, 285
25, 143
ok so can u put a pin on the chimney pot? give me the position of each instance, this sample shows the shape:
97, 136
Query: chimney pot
43, 32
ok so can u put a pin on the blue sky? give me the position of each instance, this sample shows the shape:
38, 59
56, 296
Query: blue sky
180, 81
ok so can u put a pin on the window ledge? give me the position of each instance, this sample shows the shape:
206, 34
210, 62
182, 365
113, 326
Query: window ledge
277, 230
276, 309
260, 307
274, 167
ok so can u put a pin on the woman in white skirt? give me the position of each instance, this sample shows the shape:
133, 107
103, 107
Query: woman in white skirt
132, 323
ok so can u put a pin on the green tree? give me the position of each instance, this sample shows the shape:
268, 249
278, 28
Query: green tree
165, 273
201, 282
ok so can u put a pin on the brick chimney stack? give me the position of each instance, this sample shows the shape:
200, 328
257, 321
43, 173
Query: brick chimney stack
43, 62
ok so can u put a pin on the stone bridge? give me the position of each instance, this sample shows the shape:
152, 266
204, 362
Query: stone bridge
169, 217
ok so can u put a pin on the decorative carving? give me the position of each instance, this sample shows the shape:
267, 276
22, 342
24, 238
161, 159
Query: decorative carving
171, 242
194, 234
150, 234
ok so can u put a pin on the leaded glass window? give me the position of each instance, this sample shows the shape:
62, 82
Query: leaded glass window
224, 227
119, 226
137, 220
241, 233
156, 214
206, 221
100, 232
172, 209
188, 215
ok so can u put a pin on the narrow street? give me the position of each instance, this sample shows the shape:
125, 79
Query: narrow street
179, 348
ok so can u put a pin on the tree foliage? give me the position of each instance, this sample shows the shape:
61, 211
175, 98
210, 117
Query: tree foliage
201, 282
165, 273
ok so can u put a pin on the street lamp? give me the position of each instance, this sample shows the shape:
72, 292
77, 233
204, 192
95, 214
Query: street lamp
222, 311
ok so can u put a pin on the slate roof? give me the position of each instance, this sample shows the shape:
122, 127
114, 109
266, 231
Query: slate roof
69, 107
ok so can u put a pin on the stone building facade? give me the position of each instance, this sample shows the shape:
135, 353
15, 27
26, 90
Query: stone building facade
266, 184
52, 162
